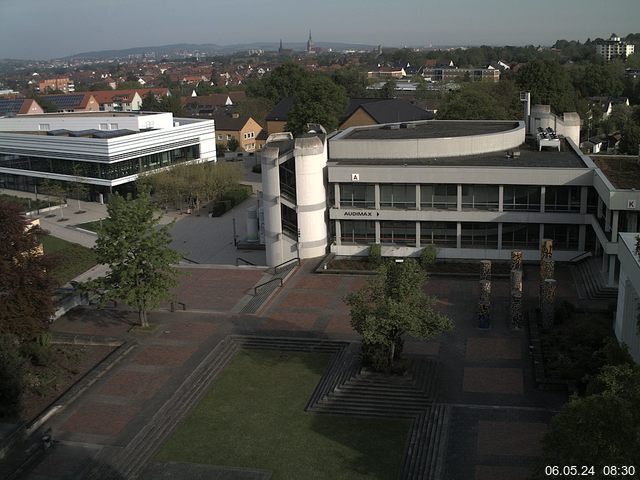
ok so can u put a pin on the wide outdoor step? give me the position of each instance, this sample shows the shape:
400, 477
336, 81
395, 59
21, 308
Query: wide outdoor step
388, 397
424, 455
366, 410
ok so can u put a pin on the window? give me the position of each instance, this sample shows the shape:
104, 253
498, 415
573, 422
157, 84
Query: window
480, 235
398, 233
289, 221
521, 198
361, 195
400, 195
220, 137
440, 234
521, 235
113, 126
565, 237
44, 127
480, 197
359, 232
104, 126
441, 197
229, 137
562, 199
287, 172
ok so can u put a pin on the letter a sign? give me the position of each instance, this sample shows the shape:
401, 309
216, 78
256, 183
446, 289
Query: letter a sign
355, 177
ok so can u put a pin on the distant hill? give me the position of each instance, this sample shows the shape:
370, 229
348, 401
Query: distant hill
208, 49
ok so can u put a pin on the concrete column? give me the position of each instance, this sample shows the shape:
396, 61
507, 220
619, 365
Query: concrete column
459, 235
338, 232
614, 225
584, 192
376, 193
582, 237
500, 235
632, 222
459, 198
336, 194
543, 195
377, 231
599, 211
418, 198
500, 201
612, 271
418, 234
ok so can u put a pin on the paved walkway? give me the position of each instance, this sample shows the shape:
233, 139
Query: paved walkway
498, 417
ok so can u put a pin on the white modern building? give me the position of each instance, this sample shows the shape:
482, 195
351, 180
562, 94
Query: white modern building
626, 326
614, 47
474, 189
109, 150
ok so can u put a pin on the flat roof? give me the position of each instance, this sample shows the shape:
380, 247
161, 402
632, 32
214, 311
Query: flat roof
430, 129
622, 171
529, 157
88, 114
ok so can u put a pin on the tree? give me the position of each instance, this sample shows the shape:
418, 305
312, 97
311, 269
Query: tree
12, 366
354, 81
482, 101
141, 264
57, 191
318, 100
25, 286
391, 305
549, 84
389, 89
600, 429
282, 82
78, 185
233, 144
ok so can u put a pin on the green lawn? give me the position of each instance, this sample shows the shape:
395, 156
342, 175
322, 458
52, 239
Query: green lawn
25, 204
253, 417
71, 259
91, 226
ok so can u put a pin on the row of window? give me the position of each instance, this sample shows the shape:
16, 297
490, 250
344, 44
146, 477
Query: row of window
473, 235
107, 171
474, 197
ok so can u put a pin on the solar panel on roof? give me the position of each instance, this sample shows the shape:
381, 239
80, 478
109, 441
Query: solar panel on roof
12, 106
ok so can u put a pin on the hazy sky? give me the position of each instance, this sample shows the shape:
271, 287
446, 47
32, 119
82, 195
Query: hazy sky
42, 29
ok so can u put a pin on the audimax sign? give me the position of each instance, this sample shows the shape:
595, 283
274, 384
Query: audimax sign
359, 213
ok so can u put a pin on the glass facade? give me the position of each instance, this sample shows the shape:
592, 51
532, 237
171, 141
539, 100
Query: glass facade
480, 197
287, 171
357, 232
289, 221
360, 195
562, 199
521, 198
524, 236
565, 237
398, 195
480, 235
441, 234
398, 233
440, 197
105, 171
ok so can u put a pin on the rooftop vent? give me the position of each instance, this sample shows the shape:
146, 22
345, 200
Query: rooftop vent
407, 125
393, 126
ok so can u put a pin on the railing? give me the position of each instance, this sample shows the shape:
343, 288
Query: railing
275, 269
278, 279
247, 262
582, 256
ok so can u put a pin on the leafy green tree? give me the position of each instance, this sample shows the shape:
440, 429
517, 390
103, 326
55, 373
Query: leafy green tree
12, 366
318, 100
388, 90
600, 429
393, 304
25, 285
282, 82
549, 84
482, 101
171, 103
136, 249
233, 144
353, 80
255, 107
630, 139
150, 103
78, 186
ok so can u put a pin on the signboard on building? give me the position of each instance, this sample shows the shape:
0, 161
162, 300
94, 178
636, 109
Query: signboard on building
355, 177
360, 213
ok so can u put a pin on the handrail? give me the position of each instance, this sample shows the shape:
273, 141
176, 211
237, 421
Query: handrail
582, 256
255, 289
297, 260
245, 261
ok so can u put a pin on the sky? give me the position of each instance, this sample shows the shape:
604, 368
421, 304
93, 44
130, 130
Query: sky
44, 29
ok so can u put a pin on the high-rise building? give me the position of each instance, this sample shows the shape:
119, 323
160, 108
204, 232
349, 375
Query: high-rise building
614, 48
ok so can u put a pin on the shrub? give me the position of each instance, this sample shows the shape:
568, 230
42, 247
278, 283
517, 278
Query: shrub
11, 376
375, 255
428, 256
237, 194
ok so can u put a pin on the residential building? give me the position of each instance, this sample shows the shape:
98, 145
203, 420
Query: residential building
372, 111
449, 74
118, 100
243, 128
109, 150
387, 72
73, 102
19, 106
65, 85
614, 47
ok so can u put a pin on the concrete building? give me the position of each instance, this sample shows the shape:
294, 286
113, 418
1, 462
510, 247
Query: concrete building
65, 85
614, 47
626, 326
109, 151
474, 189
241, 127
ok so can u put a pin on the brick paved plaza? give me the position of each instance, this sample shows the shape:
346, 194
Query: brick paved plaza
497, 419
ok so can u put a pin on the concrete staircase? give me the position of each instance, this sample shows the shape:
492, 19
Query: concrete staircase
265, 291
591, 282
424, 455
